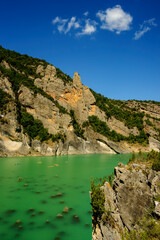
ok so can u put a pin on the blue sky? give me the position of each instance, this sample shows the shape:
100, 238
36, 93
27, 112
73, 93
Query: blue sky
114, 45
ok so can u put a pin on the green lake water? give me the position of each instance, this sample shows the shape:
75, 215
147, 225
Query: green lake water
34, 190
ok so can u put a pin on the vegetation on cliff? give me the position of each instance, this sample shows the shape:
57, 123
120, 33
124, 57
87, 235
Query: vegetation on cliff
77, 128
4, 99
35, 129
23, 63
130, 118
97, 200
102, 128
149, 229
66, 78
28, 65
98, 197
18, 79
152, 159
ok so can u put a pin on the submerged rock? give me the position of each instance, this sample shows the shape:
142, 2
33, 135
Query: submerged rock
31, 210
41, 212
65, 210
75, 218
20, 227
59, 215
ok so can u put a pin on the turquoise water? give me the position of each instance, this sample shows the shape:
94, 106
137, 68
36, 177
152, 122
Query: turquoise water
33, 190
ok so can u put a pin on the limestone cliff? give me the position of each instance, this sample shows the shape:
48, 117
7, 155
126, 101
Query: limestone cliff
45, 112
132, 205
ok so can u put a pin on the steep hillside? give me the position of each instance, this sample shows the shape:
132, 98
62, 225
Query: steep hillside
45, 112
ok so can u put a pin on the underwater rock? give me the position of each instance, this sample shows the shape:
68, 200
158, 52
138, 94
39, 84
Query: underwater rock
57, 238
31, 223
59, 194
87, 225
18, 222
59, 215
10, 211
20, 227
61, 233
90, 212
76, 218
20, 179
31, 210
41, 212
65, 210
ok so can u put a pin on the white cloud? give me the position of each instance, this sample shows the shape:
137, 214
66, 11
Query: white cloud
60, 23
140, 33
72, 24
144, 27
64, 25
56, 20
115, 19
86, 14
89, 28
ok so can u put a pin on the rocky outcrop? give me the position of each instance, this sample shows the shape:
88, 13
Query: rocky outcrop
134, 189
73, 96
45, 110
154, 144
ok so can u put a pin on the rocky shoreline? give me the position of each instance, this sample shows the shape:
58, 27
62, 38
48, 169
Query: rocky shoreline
130, 204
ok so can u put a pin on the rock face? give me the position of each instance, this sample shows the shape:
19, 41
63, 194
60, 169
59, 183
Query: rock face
132, 196
48, 95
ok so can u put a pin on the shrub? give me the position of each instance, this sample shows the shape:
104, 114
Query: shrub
58, 136
115, 108
77, 128
97, 200
148, 122
4, 99
65, 78
34, 128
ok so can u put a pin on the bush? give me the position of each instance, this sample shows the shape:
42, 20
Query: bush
156, 161
34, 128
115, 108
77, 128
23, 63
102, 128
65, 78
4, 99
149, 229
58, 136
97, 200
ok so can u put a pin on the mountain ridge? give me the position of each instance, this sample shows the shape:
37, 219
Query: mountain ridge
46, 112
